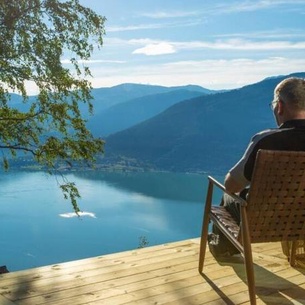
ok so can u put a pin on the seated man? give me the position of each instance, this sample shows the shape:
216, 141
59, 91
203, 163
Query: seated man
288, 107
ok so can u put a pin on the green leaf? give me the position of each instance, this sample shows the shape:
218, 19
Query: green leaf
34, 37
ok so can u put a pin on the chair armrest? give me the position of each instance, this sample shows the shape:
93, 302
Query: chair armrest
221, 186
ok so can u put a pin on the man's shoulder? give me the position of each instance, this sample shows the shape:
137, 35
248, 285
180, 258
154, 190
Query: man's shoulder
266, 132
279, 138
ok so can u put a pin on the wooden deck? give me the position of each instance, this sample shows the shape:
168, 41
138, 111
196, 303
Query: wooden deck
165, 274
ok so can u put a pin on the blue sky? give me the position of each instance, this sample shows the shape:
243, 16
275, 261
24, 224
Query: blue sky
215, 44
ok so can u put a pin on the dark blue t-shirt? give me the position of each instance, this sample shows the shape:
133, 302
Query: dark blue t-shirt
289, 136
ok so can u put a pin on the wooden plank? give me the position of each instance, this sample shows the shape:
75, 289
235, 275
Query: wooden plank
112, 282
126, 267
117, 268
5, 301
164, 274
154, 282
109, 259
132, 257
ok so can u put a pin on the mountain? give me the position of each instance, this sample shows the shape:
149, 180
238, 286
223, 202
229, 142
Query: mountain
104, 98
205, 134
126, 114
119, 107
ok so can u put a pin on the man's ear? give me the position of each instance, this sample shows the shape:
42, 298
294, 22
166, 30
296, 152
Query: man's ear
280, 107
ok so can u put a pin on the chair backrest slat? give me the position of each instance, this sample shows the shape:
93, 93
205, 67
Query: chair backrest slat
276, 200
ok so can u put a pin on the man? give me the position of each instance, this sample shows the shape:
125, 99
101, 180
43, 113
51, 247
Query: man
288, 107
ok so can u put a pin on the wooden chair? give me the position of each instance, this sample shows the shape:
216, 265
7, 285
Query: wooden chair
274, 209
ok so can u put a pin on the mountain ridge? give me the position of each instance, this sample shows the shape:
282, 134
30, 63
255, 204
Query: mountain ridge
106, 97
207, 133
200, 133
126, 114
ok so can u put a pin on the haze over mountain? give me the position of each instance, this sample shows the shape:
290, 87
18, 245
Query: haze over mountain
126, 114
207, 133
185, 129
119, 107
104, 98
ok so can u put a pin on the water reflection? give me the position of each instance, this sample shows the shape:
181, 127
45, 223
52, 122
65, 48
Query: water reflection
37, 226
80, 214
174, 186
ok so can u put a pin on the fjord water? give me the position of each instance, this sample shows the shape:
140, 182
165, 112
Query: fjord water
121, 211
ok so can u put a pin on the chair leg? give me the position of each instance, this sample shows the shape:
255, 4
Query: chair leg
203, 241
248, 256
205, 226
292, 253
250, 274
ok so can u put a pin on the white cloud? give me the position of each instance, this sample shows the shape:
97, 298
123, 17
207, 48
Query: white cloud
225, 8
134, 27
94, 61
156, 49
170, 14
153, 26
264, 35
212, 74
240, 44
250, 6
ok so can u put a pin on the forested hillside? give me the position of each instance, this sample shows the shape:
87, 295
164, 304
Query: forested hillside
104, 98
126, 114
184, 129
208, 133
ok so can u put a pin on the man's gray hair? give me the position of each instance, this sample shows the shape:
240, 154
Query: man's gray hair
291, 91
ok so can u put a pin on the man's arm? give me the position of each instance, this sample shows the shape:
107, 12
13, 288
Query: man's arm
233, 185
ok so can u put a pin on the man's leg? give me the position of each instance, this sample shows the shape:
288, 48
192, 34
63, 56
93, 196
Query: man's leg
231, 206
219, 245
